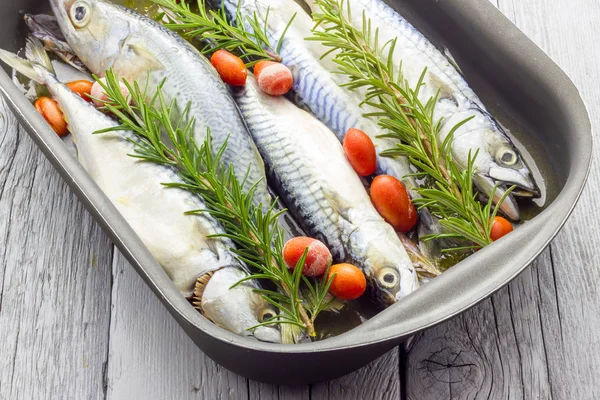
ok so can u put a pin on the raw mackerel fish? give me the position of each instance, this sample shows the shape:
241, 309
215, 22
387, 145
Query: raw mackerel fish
105, 35
198, 265
498, 160
313, 176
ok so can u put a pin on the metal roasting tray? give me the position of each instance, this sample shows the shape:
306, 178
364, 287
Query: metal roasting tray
502, 65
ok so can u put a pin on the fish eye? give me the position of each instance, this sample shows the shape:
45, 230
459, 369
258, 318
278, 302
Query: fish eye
506, 156
267, 314
388, 278
80, 14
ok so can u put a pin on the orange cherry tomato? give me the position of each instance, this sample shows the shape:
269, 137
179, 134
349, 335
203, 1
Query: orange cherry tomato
273, 78
390, 198
230, 67
318, 257
360, 151
50, 110
500, 227
349, 282
83, 88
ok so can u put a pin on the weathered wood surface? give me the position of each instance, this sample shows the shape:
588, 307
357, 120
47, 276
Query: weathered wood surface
538, 338
55, 280
77, 322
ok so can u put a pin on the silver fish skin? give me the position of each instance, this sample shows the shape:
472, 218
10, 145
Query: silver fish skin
314, 84
318, 89
105, 35
498, 160
179, 242
319, 185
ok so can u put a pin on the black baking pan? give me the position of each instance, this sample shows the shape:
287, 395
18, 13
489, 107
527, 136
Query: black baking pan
514, 78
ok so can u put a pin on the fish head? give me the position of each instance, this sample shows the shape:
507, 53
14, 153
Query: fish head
95, 30
498, 164
386, 266
505, 168
238, 308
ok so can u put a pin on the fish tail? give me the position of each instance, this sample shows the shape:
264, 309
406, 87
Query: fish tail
423, 265
429, 225
291, 334
37, 64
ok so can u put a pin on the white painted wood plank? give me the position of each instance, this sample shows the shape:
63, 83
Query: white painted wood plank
496, 350
54, 280
263, 391
536, 339
570, 37
378, 380
151, 357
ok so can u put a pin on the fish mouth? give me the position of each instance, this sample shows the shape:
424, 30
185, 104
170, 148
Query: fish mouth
498, 180
518, 191
522, 179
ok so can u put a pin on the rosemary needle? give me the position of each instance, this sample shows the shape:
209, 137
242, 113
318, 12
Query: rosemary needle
449, 194
256, 233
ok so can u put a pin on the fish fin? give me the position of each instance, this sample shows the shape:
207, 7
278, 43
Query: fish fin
445, 91
292, 334
336, 203
336, 304
30, 67
36, 54
150, 63
424, 266
452, 60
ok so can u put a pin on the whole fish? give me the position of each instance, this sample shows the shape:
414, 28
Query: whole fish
180, 243
311, 173
498, 160
105, 35
314, 85
315, 88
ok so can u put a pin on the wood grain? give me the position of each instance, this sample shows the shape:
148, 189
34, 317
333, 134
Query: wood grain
77, 322
54, 280
493, 351
535, 339
150, 357
378, 380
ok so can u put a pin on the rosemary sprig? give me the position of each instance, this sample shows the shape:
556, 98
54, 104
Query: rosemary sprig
257, 235
246, 36
399, 111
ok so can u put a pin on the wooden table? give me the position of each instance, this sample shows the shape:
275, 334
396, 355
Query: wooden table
77, 322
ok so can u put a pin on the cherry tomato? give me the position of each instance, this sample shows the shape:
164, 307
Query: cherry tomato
392, 201
230, 67
500, 227
349, 282
50, 110
99, 96
360, 151
318, 257
83, 88
273, 78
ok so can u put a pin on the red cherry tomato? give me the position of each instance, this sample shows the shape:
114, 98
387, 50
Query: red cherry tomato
500, 227
360, 151
230, 67
349, 282
392, 201
318, 257
51, 112
83, 88
273, 78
